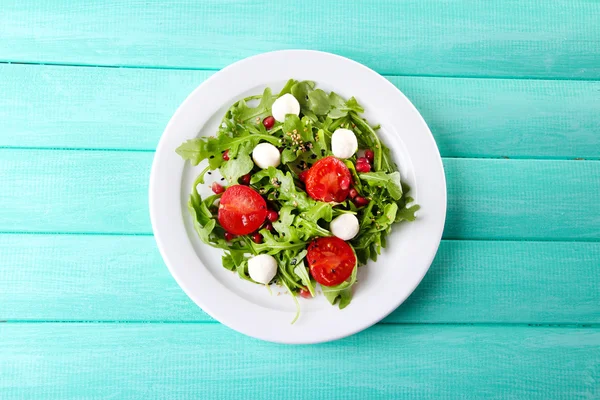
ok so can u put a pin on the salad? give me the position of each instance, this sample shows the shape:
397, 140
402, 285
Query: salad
309, 192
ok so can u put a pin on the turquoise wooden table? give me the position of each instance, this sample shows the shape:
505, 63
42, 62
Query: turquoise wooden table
511, 305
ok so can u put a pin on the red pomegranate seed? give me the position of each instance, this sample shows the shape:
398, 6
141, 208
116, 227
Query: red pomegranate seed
216, 188
360, 201
268, 122
362, 166
257, 238
302, 175
353, 193
369, 155
226, 155
305, 293
272, 215
245, 180
229, 236
268, 226
362, 160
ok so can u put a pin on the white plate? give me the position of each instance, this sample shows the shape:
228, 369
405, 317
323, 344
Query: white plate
248, 308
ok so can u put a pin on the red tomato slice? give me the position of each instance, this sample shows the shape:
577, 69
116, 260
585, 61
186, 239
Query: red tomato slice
331, 260
328, 180
241, 210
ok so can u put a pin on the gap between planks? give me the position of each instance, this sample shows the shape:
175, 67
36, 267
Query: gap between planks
213, 322
190, 68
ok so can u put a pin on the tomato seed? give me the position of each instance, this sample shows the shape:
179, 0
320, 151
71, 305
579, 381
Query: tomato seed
344, 183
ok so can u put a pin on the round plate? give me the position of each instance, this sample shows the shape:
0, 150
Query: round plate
248, 308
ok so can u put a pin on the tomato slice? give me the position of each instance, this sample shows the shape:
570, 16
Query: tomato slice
241, 210
331, 260
328, 180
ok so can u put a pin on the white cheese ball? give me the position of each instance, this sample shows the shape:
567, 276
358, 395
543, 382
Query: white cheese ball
262, 268
266, 155
286, 104
345, 226
343, 143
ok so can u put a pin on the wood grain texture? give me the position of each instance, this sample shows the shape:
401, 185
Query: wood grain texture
112, 278
111, 108
106, 192
126, 361
558, 39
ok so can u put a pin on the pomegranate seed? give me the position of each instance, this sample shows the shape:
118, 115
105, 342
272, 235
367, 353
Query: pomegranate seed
362, 160
369, 155
344, 183
303, 175
272, 215
360, 201
216, 188
257, 238
268, 226
245, 180
268, 122
353, 193
226, 155
363, 166
305, 293
229, 236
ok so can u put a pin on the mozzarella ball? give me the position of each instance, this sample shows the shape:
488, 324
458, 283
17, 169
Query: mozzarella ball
266, 155
286, 104
343, 143
344, 227
262, 268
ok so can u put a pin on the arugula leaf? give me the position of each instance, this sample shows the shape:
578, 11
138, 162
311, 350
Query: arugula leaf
302, 273
318, 102
301, 90
391, 182
282, 188
242, 112
343, 291
239, 165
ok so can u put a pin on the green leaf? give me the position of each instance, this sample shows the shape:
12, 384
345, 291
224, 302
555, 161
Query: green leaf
319, 211
194, 150
302, 273
242, 112
407, 214
318, 102
301, 90
391, 182
341, 292
239, 165
288, 87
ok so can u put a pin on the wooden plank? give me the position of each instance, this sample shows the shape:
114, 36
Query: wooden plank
126, 361
559, 39
112, 278
111, 108
106, 192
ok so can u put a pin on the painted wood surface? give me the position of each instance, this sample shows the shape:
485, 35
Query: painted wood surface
128, 361
111, 108
558, 39
117, 278
106, 192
